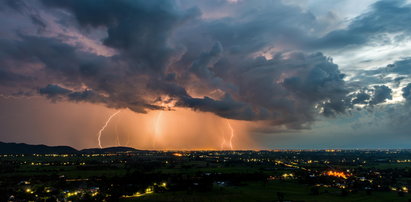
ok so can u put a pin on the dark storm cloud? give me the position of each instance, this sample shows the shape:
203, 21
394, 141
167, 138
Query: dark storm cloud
381, 94
53, 91
226, 107
168, 54
251, 26
139, 29
10, 78
283, 90
262, 25
394, 74
406, 92
384, 17
402, 67
372, 96
57, 93
60, 60
361, 98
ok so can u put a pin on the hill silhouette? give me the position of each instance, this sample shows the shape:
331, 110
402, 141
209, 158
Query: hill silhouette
22, 148
108, 150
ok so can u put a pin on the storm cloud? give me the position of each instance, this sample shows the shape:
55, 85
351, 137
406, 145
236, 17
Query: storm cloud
252, 65
383, 19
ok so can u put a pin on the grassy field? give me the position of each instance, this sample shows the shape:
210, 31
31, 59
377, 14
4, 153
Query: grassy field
68, 171
210, 170
268, 192
256, 190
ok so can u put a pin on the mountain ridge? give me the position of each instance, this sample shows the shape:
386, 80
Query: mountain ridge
23, 148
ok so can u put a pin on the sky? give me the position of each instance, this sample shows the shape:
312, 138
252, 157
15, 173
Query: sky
215, 74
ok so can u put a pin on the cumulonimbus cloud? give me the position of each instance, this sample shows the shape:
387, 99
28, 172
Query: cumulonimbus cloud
165, 53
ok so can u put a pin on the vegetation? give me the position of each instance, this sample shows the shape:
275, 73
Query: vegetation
207, 176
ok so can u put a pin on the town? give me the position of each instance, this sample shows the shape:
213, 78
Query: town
267, 175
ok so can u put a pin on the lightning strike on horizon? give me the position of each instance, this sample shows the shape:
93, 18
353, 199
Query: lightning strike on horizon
230, 142
128, 139
117, 137
231, 136
222, 144
105, 125
157, 127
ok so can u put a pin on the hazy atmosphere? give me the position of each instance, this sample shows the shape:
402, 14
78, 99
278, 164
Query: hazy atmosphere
215, 74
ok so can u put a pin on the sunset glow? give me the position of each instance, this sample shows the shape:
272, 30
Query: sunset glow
220, 75
180, 129
205, 100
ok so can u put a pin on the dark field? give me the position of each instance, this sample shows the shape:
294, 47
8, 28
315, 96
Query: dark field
208, 176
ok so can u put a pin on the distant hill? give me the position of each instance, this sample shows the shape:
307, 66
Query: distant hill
108, 150
21, 148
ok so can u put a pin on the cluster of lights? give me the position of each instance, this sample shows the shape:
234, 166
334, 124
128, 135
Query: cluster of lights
332, 150
12, 155
337, 174
76, 193
287, 175
402, 189
53, 163
178, 154
405, 189
148, 190
28, 190
404, 161
70, 194
67, 193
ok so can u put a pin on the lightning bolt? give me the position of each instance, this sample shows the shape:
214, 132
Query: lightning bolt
231, 135
128, 139
157, 126
230, 141
222, 144
116, 130
117, 137
104, 127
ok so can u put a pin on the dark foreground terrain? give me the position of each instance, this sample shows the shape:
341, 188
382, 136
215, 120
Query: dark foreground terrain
133, 175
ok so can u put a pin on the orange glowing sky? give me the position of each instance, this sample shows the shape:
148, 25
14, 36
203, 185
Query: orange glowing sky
78, 125
173, 130
216, 74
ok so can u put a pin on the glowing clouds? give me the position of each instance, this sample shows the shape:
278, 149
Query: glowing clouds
157, 128
181, 129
